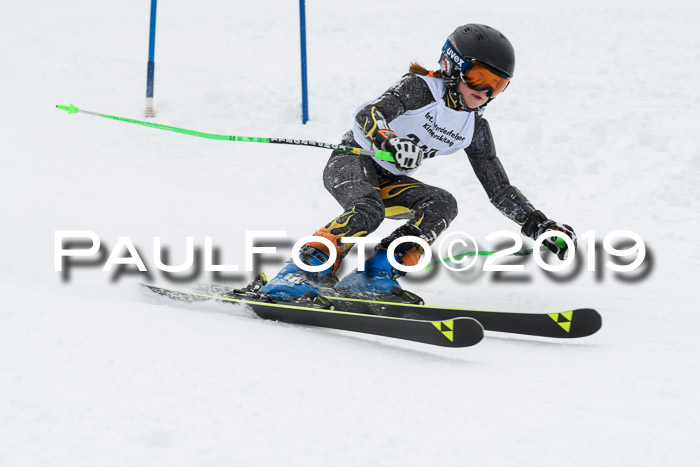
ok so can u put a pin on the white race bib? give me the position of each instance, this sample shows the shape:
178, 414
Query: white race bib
435, 128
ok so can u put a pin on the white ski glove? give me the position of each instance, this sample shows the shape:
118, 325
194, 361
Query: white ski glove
407, 155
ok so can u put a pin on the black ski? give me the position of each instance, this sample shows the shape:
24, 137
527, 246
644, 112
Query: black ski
579, 322
319, 311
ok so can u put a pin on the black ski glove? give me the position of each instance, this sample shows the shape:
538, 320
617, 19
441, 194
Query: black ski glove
537, 224
407, 155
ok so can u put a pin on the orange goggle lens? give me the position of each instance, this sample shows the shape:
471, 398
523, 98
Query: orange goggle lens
479, 77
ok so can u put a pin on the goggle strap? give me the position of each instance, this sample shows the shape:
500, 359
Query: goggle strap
454, 56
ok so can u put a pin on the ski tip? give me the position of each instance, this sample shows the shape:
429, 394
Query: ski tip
71, 109
592, 324
580, 322
460, 332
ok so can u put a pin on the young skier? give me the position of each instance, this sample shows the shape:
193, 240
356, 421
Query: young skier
424, 115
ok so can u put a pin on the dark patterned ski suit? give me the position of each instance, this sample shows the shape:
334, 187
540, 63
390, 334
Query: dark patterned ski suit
368, 193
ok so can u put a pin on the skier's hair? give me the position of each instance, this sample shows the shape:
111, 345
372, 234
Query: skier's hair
419, 69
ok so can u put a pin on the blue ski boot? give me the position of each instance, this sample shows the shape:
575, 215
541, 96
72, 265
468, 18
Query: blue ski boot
292, 281
379, 276
378, 280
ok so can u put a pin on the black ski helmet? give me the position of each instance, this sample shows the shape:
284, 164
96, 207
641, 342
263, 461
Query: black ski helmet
486, 45
481, 43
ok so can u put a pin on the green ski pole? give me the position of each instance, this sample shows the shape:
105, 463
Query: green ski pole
484, 253
381, 155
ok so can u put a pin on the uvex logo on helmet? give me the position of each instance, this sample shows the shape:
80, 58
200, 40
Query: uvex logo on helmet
454, 56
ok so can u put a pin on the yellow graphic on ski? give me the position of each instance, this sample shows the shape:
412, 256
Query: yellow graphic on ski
446, 328
563, 319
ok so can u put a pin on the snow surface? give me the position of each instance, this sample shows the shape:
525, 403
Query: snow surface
599, 129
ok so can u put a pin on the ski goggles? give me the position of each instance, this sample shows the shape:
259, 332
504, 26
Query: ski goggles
475, 74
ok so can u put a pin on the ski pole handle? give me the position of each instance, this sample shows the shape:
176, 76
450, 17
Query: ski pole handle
381, 155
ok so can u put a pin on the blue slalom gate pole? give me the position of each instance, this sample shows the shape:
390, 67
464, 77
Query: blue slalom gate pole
151, 61
304, 88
